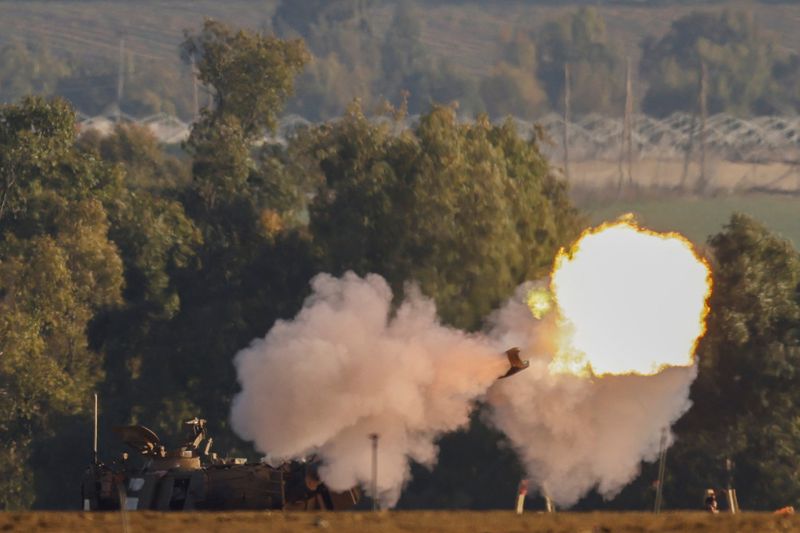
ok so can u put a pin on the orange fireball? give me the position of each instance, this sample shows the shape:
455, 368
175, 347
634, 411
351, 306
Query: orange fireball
629, 300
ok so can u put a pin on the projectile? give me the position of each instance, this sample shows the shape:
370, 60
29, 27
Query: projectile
515, 363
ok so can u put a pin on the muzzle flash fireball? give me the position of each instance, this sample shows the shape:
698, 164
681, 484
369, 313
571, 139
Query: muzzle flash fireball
629, 301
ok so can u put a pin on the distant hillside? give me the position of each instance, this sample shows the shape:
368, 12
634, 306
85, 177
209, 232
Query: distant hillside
464, 31
467, 33
151, 29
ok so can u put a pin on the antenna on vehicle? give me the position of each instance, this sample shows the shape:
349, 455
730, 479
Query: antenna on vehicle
94, 447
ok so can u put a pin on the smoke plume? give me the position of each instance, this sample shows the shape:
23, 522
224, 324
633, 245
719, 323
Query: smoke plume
346, 367
350, 364
575, 433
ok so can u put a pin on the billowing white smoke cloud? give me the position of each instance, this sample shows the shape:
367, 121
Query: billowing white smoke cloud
347, 367
575, 433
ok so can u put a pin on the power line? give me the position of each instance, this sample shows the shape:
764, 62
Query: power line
66, 36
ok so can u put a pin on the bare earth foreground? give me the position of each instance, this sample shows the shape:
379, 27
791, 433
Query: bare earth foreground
397, 521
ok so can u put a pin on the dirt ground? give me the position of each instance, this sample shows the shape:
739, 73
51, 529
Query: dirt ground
396, 522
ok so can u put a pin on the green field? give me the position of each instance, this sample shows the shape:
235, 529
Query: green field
697, 218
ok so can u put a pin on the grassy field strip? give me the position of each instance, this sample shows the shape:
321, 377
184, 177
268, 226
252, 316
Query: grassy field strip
697, 218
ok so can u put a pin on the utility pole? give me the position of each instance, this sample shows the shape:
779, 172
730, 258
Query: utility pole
733, 501
703, 180
688, 154
566, 120
374, 438
626, 149
629, 119
194, 91
662, 464
120, 78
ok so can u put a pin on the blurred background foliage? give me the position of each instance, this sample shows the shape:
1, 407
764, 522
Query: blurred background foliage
500, 59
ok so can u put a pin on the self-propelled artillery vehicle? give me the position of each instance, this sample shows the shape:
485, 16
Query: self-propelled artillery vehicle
192, 477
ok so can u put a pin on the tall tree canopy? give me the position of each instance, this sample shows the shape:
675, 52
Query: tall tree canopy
512, 88
746, 394
468, 211
29, 69
58, 267
248, 263
250, 75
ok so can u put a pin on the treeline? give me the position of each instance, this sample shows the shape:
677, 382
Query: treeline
746, 72
139, 274
92, 82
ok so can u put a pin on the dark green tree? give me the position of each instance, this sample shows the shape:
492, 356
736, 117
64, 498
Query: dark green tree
511, 92
329, 84
740, 61
58, 268
90, 83
745, 396
512, 88
27, 69
468, 211
597, 69
409, 72
786, 100
147, 164
250, 265
249, 75
346, 54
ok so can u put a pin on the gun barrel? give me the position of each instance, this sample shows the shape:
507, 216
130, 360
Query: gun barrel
515, 364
